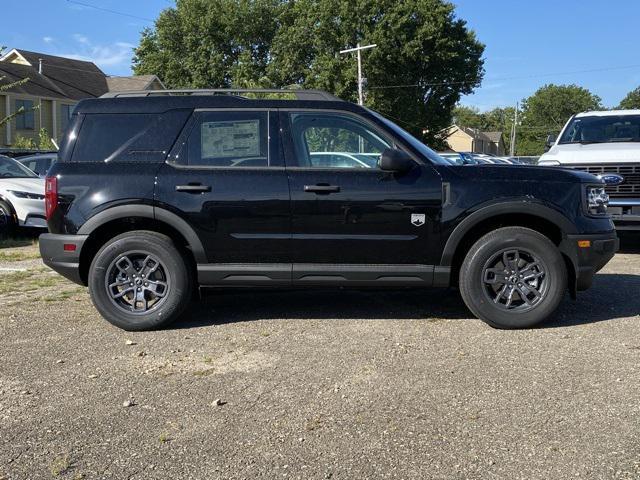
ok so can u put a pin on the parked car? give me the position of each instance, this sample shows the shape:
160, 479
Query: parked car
457, 158
21, 196
606, 144
39, 164
156, 194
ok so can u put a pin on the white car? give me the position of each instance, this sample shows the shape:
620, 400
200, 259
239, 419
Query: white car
21, 196
606, 144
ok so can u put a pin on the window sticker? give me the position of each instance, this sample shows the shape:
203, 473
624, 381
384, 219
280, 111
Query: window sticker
239, 138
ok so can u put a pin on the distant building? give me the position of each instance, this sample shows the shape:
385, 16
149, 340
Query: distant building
55, 86
464, 139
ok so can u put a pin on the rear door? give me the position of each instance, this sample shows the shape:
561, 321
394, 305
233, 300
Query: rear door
351, 222
226, 178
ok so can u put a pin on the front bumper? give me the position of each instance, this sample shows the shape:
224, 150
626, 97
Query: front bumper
588, 260
65, 261
30, 212
625, 213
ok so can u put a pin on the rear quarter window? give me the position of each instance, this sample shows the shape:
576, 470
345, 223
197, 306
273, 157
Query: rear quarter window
127, 137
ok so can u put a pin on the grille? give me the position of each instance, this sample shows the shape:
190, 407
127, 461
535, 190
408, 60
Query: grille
631, 172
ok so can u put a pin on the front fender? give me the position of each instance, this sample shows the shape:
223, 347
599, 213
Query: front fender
526, 206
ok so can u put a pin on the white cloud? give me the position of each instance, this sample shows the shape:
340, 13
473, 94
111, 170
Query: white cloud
47, 39
106, 56
81, 38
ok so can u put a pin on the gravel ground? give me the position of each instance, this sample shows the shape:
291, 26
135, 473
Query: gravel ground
324, 384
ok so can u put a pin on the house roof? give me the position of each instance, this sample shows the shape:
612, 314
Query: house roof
138, 82
61, 77
495, 137
474, 133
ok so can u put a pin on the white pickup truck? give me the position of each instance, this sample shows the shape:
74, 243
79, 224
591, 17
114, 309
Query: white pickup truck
606, 144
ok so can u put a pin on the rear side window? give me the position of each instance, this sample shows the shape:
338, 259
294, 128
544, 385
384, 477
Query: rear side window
227, 139
128, 137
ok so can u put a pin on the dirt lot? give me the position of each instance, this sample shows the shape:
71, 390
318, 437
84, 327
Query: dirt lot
318, 385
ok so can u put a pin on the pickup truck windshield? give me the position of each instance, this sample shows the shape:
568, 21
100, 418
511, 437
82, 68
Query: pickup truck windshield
602, 129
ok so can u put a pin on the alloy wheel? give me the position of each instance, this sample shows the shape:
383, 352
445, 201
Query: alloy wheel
515, 280
137, 282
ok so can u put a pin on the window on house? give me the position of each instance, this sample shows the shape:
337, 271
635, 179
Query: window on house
25, 120
65, 116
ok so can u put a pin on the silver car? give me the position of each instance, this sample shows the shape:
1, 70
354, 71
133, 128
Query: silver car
21, 196
39, 163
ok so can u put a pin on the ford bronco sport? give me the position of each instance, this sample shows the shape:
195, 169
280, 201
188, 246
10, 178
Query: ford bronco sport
159, 193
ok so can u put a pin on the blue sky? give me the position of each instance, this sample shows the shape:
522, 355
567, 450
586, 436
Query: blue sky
528, 43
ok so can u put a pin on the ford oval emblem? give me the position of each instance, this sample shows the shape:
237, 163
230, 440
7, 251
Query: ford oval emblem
611, 178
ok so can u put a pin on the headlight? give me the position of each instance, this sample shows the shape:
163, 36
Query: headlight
30, 196
597, 200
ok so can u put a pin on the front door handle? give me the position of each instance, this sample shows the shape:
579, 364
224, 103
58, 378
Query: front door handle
322, 188
193, 188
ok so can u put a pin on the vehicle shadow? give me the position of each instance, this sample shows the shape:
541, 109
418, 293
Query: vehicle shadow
629, 242
608, 299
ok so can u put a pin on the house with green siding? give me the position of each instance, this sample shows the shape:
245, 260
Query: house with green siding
55, 86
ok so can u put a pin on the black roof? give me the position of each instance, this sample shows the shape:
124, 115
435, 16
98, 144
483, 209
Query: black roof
60, 78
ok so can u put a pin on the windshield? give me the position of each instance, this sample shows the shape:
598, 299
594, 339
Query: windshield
411, 140
9, 168
602, 129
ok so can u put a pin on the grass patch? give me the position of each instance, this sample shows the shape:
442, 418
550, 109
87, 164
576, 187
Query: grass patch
17, 242
18, 256
28, 281
60, 465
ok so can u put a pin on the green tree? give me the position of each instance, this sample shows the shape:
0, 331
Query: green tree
425, 60
547, 110
632, 100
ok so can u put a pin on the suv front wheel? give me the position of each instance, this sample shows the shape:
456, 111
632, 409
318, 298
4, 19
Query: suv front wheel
513, 277
140, 281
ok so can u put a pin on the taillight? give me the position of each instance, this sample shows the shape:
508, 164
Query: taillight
50, 196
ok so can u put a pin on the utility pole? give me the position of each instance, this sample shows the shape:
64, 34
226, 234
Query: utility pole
359, 49
512, 150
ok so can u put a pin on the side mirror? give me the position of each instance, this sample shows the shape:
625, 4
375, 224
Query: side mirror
393, 160
551, 139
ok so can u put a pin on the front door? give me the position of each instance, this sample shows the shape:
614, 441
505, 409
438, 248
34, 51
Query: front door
226, 178
352, 222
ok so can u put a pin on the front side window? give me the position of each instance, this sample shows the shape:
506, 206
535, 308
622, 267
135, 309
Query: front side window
334, 140
26, 119
602, 129
227, 139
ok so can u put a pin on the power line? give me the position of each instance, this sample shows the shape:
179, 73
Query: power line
108, 10
495, 79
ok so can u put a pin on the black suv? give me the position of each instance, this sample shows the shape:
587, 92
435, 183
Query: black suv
157, 193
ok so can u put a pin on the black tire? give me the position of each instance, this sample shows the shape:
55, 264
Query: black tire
7, 220
489, 266
122, 261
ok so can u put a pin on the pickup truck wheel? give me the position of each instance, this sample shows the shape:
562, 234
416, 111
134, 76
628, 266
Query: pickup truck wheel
513, 277
140, 281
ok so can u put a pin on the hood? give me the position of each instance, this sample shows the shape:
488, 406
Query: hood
614, 152
523, 173
30, 185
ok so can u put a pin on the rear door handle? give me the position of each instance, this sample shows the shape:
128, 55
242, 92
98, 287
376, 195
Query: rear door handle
193, 188
322, 188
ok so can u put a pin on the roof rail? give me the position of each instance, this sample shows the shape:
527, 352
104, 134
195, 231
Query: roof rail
299, 94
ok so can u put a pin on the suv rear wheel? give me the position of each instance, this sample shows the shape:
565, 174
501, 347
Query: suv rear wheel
513, 277
140, 281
